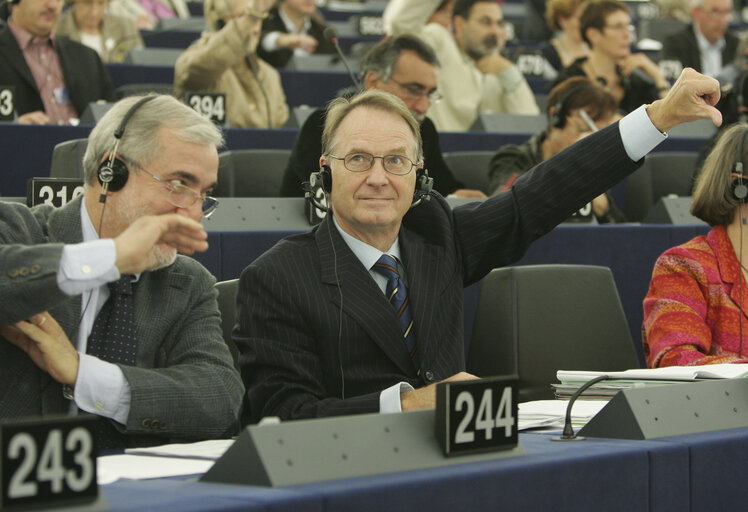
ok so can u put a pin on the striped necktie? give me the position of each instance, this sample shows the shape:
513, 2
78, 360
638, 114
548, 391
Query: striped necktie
397, 294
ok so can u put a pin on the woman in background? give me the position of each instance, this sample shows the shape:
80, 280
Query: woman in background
224, 60
632, 78
87, 22
694, 312
567, 45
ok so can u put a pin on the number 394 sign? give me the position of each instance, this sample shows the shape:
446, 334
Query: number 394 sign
476, 415
50, 461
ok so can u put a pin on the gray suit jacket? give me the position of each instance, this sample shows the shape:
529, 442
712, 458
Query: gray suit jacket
184, 386
317, 336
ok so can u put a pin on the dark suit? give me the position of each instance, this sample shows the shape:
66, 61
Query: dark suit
289, 299
307, 149
85, 77
279, 58
184, 386
683, 47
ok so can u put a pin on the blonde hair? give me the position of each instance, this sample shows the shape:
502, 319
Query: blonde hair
374, 99
556, 9
713, 199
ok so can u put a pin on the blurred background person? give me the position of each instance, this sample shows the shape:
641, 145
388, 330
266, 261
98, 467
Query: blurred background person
705, 45
54, 78
567, 44
632, 78
148, 14
293, 27
87, 22
694, 311
474, 76
406, 67
569, 103
224, 60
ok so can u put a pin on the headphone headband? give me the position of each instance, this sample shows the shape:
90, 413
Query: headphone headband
558, 118
739, 188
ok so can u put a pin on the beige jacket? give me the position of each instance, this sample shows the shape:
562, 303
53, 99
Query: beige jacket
118, 35
466, 91
217, 63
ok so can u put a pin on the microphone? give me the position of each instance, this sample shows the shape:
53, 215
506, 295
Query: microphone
568, 434
644, 77
332, 35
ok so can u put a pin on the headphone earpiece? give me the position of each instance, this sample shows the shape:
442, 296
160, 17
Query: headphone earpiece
558, 118
739, 188
113, 170
322, 179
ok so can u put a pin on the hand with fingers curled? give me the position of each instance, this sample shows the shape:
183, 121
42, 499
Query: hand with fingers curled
153, 241
45, 342
425, 398
692, 97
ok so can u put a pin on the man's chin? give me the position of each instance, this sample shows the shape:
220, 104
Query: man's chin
165, 256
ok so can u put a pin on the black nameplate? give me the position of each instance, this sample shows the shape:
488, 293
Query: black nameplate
584, 214
49, 461
476, 415
208, 104
52, 191
7, 103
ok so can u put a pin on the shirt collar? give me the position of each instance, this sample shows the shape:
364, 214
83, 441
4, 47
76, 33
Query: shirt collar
290, 26
89, 231
26, 39
704, 45
366, 254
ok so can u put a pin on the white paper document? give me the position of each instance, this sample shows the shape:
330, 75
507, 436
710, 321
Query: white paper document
552, 413
677, 373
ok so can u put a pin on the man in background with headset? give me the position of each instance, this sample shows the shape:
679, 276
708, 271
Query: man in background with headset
158, 369
365, 312
54, 77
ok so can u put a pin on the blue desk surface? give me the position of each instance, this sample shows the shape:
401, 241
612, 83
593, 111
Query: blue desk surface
694, 472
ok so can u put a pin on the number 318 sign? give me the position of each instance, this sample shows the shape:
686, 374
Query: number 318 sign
476, 415
48, 461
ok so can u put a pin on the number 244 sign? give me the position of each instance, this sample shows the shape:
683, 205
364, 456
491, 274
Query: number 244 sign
477, 415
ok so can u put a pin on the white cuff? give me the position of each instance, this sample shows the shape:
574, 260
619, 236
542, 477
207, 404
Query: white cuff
101, 388
638, 134
389, 399
270, 41
87, 265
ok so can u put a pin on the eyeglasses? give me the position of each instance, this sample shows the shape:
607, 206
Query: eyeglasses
361, 162
183, 196
628, 27
417, 92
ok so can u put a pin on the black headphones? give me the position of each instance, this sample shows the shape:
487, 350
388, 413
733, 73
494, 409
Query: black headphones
323, 179
113, 171
739, 188
558, 119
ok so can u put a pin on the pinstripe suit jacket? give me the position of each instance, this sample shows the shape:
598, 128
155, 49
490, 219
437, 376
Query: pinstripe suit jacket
300, 359
184, 385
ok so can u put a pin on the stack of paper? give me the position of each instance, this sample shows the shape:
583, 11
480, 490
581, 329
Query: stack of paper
551, 413
572, 380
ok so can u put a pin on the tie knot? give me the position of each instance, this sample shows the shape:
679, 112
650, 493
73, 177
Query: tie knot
122, 286
387, 266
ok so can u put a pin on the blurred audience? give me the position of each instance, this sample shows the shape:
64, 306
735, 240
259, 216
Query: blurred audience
292, 28
54, 77
147, 14
474, 76
576, 108
632, 78
705, 45
224, 60
406, 67
567, 44
694, 311
87, 22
